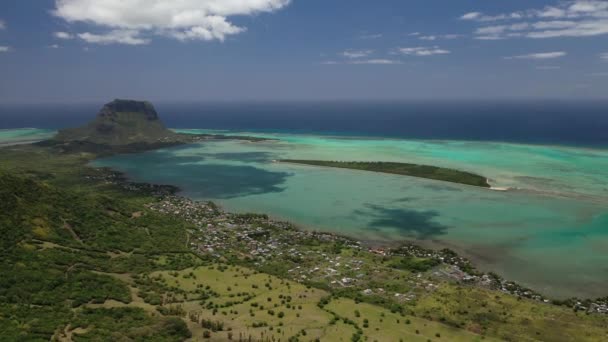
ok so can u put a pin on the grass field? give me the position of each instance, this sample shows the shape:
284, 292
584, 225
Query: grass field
379, 324
513, 319
248, 303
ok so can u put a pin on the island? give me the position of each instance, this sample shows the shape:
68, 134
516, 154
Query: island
412, 170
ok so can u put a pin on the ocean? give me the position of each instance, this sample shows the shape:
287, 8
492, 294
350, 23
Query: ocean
537, 122
548, 230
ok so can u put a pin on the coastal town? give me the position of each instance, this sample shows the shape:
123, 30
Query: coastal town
336, 262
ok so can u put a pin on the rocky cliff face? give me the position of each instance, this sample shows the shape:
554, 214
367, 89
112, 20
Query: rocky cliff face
121, 122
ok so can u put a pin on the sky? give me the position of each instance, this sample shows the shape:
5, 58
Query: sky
280, 50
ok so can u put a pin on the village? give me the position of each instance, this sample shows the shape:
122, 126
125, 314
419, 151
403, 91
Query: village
331, 261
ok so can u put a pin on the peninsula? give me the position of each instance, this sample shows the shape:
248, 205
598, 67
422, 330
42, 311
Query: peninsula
412, 170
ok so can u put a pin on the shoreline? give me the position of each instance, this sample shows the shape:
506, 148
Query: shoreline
161, 190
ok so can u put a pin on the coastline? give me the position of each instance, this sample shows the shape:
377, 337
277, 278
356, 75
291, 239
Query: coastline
374, 246
570, 287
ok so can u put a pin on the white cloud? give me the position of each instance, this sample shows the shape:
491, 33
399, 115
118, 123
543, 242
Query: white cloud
378, 61
357, 53
599, 74
579, 29
471, 16
63, 35
540, 55
5, 48
604, 56
2, 25
414, 34
422, 51
54, 46
375, 61
128, 37
129, 20
478, 16
571, 18
442, 36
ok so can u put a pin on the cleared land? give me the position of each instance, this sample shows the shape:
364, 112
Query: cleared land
412, 170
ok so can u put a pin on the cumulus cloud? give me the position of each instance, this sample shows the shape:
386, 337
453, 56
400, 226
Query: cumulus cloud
540, 55
572, 18
5, 48
422, 51
130, 20
357, 53
63, 35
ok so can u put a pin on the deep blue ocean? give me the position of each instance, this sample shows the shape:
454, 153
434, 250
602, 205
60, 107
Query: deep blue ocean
540, 122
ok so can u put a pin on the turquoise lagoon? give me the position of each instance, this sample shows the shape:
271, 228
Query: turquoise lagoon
544, 225
548, 230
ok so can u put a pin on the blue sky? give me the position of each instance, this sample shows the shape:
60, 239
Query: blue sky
201, 50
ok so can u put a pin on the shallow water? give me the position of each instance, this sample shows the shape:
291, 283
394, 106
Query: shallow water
550, 232
24, 135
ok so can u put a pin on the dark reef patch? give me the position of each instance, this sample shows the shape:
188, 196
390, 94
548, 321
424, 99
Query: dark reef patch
437, 187
246, 157
203, 181
410, 223
227, 181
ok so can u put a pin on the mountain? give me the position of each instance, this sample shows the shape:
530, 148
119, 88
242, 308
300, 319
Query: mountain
122, 122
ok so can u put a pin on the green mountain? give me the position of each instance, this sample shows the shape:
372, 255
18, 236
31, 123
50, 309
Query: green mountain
121, 122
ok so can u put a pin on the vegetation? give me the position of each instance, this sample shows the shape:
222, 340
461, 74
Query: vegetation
85, 259
413, 170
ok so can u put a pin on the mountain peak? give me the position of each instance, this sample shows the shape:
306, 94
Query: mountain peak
111, 110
